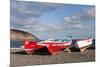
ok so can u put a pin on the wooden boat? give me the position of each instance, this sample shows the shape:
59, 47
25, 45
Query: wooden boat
53, 46
83, 44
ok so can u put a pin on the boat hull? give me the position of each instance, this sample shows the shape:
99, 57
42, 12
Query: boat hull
56, 49
83, 44
31, 46
53, 47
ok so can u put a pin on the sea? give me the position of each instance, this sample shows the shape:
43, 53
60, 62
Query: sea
18, 43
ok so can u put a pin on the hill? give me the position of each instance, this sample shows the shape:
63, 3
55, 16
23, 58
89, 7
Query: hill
20, 35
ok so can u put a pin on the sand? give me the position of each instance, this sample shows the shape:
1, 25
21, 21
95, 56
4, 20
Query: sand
20, 58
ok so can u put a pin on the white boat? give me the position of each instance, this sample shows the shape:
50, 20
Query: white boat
83, 44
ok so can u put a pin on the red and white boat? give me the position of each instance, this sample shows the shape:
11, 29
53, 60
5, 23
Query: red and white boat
53, 46
82, 44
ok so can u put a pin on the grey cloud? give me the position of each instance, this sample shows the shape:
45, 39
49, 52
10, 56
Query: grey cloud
34, 25
72, 22
34, 9
75, 21
88, 13
24, 14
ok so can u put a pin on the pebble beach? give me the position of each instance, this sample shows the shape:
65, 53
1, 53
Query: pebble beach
18, 57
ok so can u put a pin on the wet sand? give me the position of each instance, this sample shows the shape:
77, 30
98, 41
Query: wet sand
20, 58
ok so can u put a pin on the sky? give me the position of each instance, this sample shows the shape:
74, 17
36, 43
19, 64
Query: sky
53, 20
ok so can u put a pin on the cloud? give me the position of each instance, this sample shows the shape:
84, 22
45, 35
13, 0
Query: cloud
34, 9
88, 13
76, 21
73, 22
34, 26
24, 14
27, 23
26, 9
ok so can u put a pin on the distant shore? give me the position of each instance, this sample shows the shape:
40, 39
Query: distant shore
20, 58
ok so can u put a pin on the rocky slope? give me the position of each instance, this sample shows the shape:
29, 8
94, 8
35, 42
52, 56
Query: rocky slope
20, 35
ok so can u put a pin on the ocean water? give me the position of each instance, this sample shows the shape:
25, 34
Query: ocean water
18, 43
15, 44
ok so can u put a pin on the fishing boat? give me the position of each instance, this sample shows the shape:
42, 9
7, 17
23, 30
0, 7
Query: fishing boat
53, 45
83, 44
